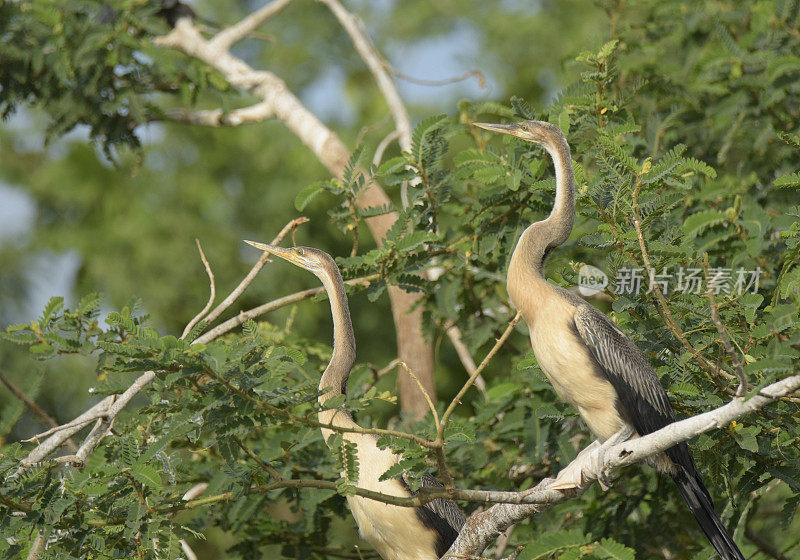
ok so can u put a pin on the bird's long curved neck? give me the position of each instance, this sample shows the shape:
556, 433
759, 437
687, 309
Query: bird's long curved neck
539, 238
562, 216
344, 349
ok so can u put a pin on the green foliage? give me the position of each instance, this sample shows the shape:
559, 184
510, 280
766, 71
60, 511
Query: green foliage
91, 63
682, 120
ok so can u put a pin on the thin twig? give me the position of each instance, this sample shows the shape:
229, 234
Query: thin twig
235, 33
443, 82
35, 408
663, 308
73, 424
262, 260
424, 392
378, 66
438, 452
724, 338
354, 27
387, 368
454, 334
763, 545
457, 399
261, 462
243, 316
212, 295
388, 139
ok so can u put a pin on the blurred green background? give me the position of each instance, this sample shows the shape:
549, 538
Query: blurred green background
73, 221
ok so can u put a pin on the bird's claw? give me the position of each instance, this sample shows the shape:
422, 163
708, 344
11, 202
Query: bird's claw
572, 476
590, 460
603, 476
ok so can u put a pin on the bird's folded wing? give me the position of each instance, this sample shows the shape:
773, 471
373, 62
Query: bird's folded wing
447, 510
641, 396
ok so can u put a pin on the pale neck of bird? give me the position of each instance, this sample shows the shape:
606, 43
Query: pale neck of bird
527, 260
559, 223
344, 344
540, 237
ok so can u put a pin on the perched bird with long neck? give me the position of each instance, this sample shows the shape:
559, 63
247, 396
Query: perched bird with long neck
397, 533
591, 363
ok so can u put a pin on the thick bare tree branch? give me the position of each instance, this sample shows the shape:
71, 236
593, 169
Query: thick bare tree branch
485, 526
217, 117
229, 36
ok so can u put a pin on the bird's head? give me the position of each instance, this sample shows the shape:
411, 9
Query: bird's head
314, 260
538, 132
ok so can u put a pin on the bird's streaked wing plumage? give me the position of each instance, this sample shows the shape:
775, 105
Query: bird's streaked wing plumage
643, 400
442, 515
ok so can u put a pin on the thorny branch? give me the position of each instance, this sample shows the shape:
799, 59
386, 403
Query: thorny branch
248, 279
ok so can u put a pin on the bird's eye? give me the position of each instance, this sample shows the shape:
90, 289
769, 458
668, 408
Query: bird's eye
299, 251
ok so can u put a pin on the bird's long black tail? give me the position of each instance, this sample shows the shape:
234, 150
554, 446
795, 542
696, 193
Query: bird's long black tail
697, 498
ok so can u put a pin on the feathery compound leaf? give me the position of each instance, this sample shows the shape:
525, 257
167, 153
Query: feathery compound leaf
788, 181
619, 153
250, 328
53, 306
552, 542
697, 223
521, 108
692, 164
351, 171
147, 475
307, 194
611, 549
425, 128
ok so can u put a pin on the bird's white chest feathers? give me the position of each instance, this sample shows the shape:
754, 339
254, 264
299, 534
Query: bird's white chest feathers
395, 532
566, 361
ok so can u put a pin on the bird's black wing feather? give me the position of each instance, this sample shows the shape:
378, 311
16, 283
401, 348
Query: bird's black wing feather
441, 515
646, 406
641, 395
643, 400
446, 509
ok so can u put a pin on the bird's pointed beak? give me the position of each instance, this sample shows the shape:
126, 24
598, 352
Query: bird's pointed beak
512, 129
273, 250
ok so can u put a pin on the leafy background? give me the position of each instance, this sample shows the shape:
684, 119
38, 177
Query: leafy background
691, 106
